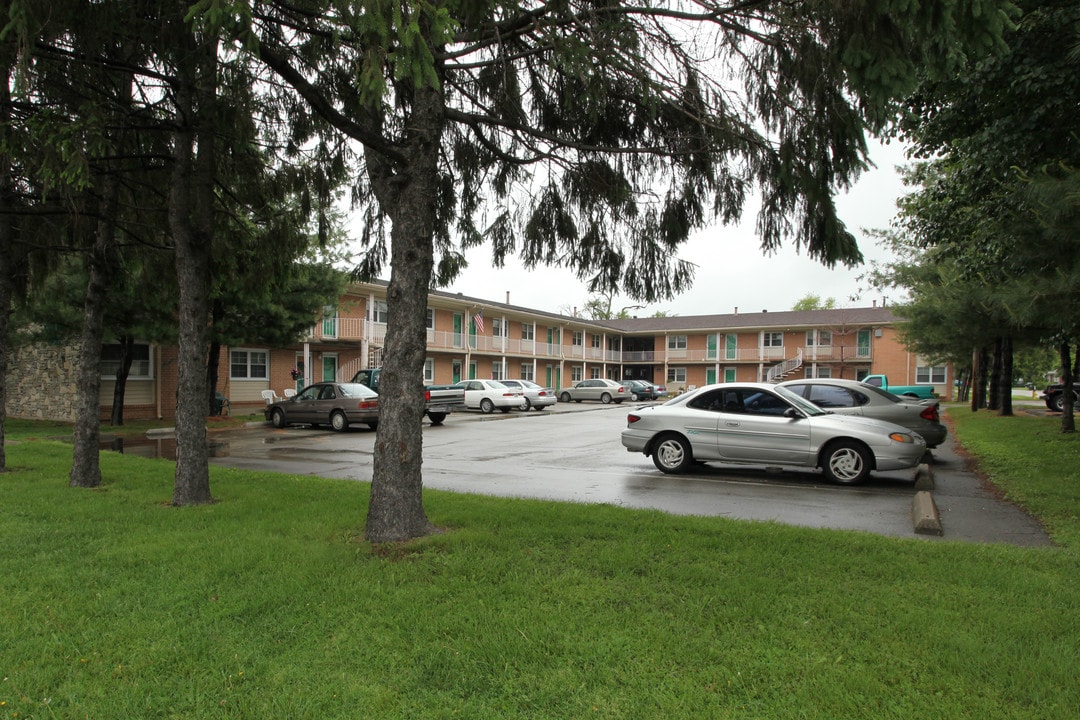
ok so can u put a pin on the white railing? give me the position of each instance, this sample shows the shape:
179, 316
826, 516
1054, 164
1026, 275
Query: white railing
777, 372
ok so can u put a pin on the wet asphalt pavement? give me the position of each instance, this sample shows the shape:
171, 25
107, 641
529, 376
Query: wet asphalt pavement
572, 453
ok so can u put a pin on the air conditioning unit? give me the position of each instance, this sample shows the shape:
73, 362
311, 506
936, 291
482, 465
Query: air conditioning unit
877, 332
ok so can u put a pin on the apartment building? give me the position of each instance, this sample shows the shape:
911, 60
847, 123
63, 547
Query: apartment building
469, 337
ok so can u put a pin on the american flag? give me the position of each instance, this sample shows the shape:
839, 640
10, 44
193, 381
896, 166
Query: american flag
478, 318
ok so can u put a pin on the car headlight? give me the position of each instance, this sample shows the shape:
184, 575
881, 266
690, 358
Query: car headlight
901, 437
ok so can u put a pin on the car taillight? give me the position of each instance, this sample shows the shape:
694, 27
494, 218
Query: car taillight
931, 414
427, 396
542, 393
632, 418
368, 405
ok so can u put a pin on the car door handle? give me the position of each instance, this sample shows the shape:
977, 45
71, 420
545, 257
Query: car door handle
730, 423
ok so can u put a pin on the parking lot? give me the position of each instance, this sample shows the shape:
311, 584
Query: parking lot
572, 452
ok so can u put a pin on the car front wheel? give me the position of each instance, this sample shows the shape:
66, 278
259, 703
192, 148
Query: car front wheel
528, 405
672, 454
846, 463
277, 418
565, 397
338, 421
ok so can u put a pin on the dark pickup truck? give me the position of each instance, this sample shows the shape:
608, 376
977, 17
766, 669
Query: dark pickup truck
1054, 396
439, 400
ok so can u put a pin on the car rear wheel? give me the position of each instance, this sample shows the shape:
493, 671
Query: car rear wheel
486, 406
672, 454
436, 418
277, 418
846, 463
605, 398
338, 421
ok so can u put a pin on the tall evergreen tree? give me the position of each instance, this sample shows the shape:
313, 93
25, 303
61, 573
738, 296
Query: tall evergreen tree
591, 135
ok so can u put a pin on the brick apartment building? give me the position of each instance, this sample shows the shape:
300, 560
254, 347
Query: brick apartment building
471, 337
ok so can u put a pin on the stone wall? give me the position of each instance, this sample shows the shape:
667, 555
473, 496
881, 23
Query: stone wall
41, 382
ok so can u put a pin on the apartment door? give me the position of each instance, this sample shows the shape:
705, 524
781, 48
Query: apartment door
329, 367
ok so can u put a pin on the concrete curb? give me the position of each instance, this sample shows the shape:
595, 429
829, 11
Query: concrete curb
924, 478
924, 513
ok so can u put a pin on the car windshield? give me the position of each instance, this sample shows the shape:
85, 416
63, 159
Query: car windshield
356, 390
801, 403
872, 390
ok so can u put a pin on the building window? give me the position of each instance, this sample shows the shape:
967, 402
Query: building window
141, 361
248, 365
429, 370
528, 331
595, 341
818, 337
379, 311
527, 371
823, 372
676, 374
429, 319
497, 371
772, 339
500, 328
594, 372
575, 374
676, 342
579, 338
930, 374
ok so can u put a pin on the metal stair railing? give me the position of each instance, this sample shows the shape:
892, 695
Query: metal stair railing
781, 370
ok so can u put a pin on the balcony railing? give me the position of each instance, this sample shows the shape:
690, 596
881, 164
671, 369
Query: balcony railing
357, 329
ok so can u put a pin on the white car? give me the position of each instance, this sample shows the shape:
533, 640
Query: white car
486, 395
536, 396
762, 424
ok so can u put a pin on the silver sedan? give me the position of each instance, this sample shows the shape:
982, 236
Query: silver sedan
327, 403
606, 391
537, 397
762, 424
849, 397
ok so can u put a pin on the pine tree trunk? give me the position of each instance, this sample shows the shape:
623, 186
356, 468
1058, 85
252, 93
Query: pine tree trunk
396, 511
7, 252
1006, 404
1068, 398
994, 395
190, 210
85, 465
123, 372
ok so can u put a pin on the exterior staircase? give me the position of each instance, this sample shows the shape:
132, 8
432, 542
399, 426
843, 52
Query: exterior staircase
778, 372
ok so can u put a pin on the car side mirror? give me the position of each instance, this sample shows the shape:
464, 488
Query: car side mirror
793, 414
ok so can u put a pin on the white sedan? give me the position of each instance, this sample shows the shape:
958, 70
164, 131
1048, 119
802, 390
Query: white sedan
486, 395
762, 424
536, 396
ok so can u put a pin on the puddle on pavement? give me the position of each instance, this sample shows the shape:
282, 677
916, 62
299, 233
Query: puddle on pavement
163, 448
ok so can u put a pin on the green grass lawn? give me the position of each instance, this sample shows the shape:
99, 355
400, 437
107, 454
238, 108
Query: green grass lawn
268, 604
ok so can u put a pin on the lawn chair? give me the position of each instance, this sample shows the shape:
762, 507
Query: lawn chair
289, 392
270, 396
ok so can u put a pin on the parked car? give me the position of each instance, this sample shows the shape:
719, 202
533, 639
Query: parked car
486, 395
661, 390
327, 403
762, 424
849, 397
1054, 396
606, 391
642, 390
536, 396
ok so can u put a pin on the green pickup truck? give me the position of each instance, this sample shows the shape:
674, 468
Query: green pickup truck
915, 391
439, 400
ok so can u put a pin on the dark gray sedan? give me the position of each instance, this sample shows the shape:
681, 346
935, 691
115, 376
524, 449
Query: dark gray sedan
327, 403
848, 397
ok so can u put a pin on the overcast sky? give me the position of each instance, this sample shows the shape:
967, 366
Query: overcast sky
731, 272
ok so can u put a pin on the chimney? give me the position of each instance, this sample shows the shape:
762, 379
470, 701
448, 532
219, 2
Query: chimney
875, 302
736, 309
507, 297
